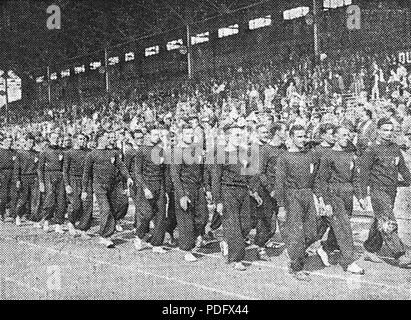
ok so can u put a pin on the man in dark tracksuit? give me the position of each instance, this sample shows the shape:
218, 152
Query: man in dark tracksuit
380, 165
25, 176
170, 190
149, 172
215, 219
73, 167
210, 161
231, 193
121, 208
294, 193
171, 206
101, 170
7, 157
335, 182
129, 161
187, 171
326, 133
267, 211
50, 175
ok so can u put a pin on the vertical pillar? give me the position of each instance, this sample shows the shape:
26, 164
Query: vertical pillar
316, 18
48, 85
189, 54
7, 96
106, 67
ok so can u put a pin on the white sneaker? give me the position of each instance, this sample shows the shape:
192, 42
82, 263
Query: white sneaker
240, 266
355, 269
37, 225
189, 257
140, 244
106, 242
46, 226
72, 231
323, 256
224, 248
18, 221
84, 235
199, 242
372, 257
159, 250
119, 228
59, 229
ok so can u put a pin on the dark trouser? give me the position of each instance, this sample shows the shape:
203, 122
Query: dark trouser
153, 209
122, 205
171, 213
301, 225
81, 211
383, 205
110, 200
253, 213
13, 198
345, 193
55, 198
341, 232
236, 220
134, 196
266, 219
191, 223
28, 201
5, 187
215, 221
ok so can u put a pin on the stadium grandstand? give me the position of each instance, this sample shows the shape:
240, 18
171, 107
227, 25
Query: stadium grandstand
103, 47
98, 97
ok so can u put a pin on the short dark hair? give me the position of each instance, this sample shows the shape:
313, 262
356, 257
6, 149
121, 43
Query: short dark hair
75, 136
368, 112
276, 126
296, 128
383, 121
29, 136
326, 127
136, 132
338, 128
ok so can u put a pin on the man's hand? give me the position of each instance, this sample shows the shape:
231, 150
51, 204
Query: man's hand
18, 184
41, 187
83, 196
130, 182
321, 207
328, 210
219, 208
257, 198
148, 194
69, 189
209, 196
363, 203
272, 194
184, 201
282, 215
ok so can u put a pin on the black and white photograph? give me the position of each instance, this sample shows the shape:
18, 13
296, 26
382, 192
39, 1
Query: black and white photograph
190, 152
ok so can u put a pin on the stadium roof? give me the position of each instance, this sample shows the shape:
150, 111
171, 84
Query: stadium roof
86, 26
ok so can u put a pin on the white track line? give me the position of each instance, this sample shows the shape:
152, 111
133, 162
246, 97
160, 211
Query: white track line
133, 269
317, 273
272, 266
25, 285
